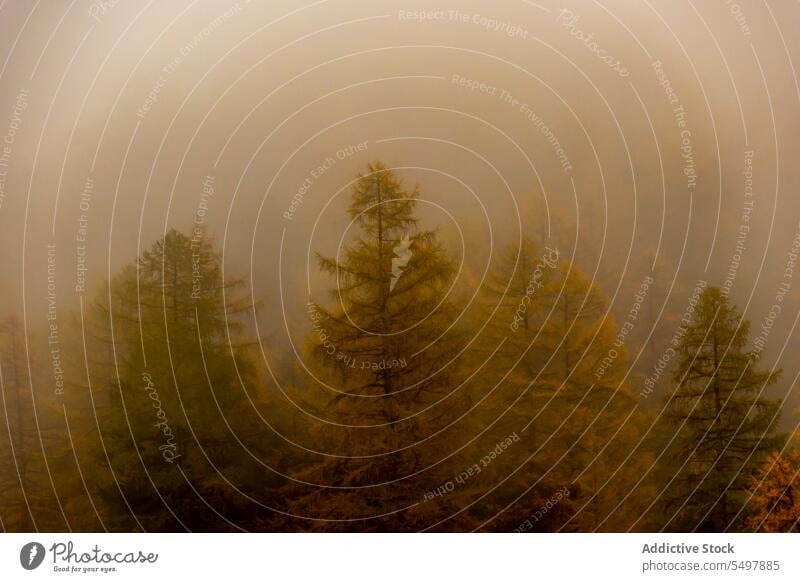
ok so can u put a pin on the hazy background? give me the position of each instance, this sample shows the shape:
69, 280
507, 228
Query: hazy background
266, 91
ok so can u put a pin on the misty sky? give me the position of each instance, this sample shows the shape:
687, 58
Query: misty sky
633, 121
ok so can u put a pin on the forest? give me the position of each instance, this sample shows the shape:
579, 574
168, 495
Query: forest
423, 395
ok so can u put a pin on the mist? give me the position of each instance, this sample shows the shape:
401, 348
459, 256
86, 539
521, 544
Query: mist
653, 139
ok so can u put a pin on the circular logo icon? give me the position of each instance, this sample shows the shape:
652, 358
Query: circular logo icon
31, 555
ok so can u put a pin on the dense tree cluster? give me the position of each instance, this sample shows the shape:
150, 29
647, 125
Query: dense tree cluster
412, 406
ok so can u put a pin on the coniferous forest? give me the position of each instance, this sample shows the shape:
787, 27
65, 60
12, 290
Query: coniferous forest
509, 266
413, 403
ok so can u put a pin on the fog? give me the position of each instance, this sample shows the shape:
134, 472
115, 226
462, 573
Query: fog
655, 137
266, 92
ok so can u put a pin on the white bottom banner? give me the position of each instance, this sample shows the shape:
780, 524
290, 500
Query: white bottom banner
400, 557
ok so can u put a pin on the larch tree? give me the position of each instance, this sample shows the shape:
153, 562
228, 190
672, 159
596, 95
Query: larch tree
568, 400
774, 494
37, 470
722, 424
18, 446
598, 415
384, 347
512, 304
180, 404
